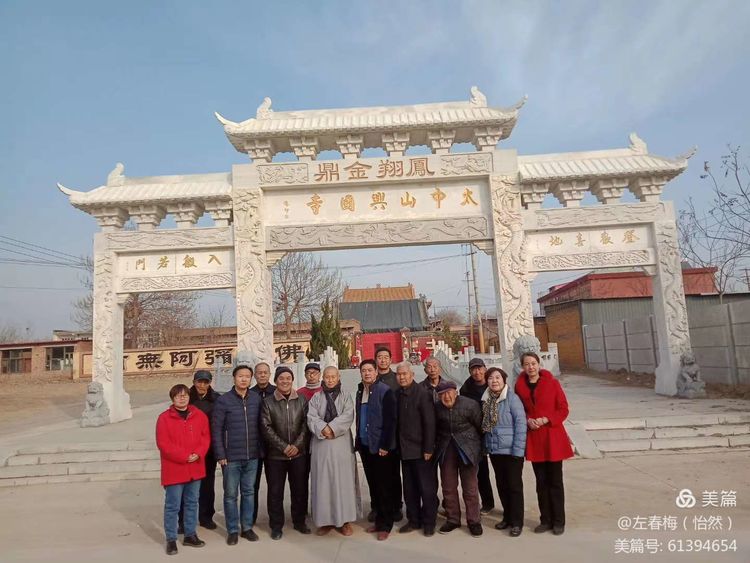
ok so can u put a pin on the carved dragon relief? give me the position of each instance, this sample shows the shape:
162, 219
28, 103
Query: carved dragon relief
602, 214
378, 234
295, 173
670, 274
510, 244
104, 303
169, 283
593, 260
253, 281
186, 238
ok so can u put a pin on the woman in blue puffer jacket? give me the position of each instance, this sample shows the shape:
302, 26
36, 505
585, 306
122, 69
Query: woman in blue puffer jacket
504, 427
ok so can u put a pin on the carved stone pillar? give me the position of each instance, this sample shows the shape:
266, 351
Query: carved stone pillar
512, 280
253, 278
108, 332
396, 143
670, 312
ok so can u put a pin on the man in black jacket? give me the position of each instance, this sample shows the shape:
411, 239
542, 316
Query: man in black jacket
203, 396
416, 442
235, 437
264, 388
285, 434
474, 388
459, 443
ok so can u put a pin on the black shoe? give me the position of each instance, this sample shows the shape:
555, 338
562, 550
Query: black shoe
429, 531
371, 516
448, 527
180, 529
276, 534
249, 535
232, 538
558, 530
486, 509
501, 525
209, 525
398, 516
193, 541
171, 548
406, 528
303, 529
515, 531
475, 529
541, 528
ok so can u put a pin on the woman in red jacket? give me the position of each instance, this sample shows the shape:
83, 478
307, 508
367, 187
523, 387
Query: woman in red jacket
547, 443
183, 438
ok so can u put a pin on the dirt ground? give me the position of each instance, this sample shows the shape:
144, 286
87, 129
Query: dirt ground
32, 401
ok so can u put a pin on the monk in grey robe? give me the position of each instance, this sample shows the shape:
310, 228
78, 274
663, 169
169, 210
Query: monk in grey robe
333, 470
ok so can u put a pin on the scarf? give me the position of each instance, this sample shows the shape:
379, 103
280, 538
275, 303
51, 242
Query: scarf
331, 396
313, 385
490, 408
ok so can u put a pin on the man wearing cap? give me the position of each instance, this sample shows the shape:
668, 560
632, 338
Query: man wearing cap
459, 423
286, 437
474, 388
203, 397
312, 379
263, 387
235, 437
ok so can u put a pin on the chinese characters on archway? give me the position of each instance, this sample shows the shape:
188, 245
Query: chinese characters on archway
180, 359
604, 238
178, 263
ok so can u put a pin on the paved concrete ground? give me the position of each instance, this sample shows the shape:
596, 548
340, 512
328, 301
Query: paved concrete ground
121, 521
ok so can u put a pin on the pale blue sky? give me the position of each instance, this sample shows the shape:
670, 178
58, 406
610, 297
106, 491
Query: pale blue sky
88, 84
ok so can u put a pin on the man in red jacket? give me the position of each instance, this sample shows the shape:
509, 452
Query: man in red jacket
183, 438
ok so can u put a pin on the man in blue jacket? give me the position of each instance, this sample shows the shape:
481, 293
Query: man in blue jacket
235, 436
375, 412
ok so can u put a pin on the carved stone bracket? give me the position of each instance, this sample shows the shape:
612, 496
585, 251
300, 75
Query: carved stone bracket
220, 212
273, 257
350, 146
260, 149
186, 214
441, 141
486, 246
533, 194
487, 138
570, 192
306, 148
395, 144
648, 188
609, 190
110, 218
354, 235
147, 217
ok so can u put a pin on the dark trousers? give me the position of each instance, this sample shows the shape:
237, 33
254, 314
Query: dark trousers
485, 485
395, 487
420, 492
276, 477
509, 480
451, 469
378, 472
550, 492
258, 475
207, 495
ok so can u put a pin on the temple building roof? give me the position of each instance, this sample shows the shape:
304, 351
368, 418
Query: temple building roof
351, 130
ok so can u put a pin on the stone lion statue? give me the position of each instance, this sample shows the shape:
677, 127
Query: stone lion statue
524, 343
689, 382
96, 412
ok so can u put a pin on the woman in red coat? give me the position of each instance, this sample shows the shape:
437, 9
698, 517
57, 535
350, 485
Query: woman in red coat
183, 438
547, 442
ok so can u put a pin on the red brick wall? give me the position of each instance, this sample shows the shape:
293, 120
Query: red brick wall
564, 327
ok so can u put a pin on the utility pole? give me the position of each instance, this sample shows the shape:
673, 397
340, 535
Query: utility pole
476, 298
747, 278
471, 318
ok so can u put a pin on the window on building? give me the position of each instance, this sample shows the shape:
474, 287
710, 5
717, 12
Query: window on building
16, 361
59, 358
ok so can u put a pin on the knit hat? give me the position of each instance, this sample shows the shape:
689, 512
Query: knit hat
280, 370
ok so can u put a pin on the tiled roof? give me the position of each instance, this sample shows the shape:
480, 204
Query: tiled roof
397, 293
388, 315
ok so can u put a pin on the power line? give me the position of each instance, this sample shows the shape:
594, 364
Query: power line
40, 247
43, 288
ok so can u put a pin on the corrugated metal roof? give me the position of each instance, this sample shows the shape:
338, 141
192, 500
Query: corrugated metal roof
387, 315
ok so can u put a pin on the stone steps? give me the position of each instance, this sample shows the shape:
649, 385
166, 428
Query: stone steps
669, 433
80, 463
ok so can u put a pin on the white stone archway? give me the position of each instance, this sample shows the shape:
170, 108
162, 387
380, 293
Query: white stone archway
491, 198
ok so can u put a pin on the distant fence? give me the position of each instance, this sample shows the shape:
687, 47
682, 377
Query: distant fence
720, 337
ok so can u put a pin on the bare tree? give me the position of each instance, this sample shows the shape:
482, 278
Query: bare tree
150, 319
9, 333
720, 235
450, 317
301, 284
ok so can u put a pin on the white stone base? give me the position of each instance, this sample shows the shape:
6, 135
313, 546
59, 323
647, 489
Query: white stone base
666, 373
118, 401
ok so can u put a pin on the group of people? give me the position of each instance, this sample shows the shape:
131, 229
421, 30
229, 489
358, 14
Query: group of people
409, 436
